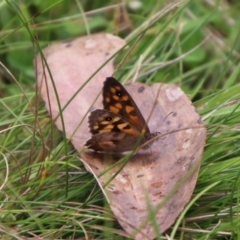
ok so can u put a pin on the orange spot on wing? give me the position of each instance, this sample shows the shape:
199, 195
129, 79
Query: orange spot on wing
129, 109
125, 98
118, 105
114, 109
107, 100
112, 90
107, 129
131, 131
115, 97
106, 145
122, 126
134, 120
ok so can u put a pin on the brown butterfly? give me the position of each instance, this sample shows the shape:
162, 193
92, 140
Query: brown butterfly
120, 126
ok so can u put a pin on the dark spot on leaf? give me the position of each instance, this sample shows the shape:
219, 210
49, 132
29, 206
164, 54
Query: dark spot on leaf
134, 208
140, 175
172, 206
116, 192
67, 41
200, 121
158, 194
156, 185
188, 166
181, 159
68, 45
106, 53
141, 89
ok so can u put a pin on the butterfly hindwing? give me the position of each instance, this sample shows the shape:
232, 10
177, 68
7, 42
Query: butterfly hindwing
117, 100
103, 121
112, 142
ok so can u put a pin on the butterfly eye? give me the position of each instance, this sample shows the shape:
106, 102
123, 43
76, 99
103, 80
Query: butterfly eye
108, 119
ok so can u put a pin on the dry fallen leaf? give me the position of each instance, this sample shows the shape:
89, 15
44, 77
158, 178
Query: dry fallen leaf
163, 177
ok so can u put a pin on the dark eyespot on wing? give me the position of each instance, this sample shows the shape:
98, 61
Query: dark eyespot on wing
119, 93
108, 119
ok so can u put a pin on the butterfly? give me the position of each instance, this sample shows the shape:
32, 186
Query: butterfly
119, 126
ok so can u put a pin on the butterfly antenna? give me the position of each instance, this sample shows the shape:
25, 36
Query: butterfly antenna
154, 105
167, 116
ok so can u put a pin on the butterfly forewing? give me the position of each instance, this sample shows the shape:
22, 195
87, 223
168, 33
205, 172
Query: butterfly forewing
117, 100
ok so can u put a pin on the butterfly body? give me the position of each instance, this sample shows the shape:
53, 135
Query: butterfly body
120, 126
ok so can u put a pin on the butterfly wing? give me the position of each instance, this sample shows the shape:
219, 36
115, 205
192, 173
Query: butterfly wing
111, 132
112, 142
103, 121
117, 100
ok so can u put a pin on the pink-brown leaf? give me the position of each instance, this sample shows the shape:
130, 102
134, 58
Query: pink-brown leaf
163, 177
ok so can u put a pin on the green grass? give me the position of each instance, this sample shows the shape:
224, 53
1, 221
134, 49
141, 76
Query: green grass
66, 202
